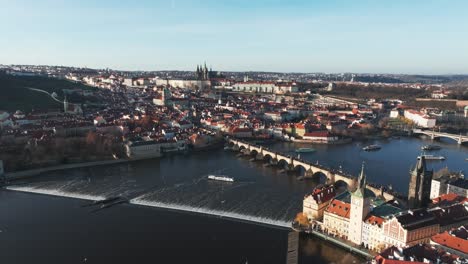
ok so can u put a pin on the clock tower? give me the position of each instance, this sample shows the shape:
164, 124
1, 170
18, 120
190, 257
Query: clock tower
360, 207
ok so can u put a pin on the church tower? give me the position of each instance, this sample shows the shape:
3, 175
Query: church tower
360, 208
419, 189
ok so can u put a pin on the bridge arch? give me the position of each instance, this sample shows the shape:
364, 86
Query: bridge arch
300, 169
450, 139
254, 152
341, 185
283, 163
267, 158
320, 177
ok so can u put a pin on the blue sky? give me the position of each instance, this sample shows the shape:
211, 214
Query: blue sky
387, 36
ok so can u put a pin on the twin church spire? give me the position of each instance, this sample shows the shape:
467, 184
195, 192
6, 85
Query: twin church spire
203, 73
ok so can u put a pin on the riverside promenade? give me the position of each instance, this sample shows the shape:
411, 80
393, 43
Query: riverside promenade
341, 243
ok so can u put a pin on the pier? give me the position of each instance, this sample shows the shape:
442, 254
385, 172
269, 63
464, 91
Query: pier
292, 256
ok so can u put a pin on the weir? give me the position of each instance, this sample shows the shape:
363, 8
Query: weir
56, 193
212, 212
141, 201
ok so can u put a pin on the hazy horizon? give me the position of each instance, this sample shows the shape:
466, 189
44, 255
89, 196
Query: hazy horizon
393, 37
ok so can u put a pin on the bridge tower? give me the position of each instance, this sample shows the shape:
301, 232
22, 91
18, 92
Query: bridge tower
420, 185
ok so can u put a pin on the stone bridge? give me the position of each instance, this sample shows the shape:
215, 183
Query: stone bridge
293, 163
459, 138
290, 162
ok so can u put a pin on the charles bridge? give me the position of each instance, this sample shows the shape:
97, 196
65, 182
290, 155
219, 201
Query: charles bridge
310, 169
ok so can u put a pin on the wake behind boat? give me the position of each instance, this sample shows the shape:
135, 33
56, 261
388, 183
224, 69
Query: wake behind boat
220, 178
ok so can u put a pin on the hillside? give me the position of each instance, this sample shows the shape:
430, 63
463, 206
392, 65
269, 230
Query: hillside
14, 94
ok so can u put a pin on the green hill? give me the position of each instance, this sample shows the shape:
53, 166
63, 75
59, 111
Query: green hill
14, 94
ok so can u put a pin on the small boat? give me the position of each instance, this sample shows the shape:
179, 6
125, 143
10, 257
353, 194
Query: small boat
220, 178
430, 147
432, 157
371, 147
305, 150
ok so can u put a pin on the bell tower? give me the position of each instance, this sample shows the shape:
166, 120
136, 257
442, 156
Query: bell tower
360, 208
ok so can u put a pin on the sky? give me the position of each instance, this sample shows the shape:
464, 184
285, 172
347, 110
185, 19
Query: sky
361, 36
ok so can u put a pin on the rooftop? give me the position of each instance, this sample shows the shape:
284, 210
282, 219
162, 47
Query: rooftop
456, 239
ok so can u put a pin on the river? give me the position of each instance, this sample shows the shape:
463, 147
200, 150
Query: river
157, 225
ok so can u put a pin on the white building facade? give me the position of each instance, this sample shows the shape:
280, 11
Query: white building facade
420, 119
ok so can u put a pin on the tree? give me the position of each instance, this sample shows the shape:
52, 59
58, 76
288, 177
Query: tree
302, 219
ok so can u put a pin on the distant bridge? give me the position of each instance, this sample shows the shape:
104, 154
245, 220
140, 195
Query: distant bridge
293, 163
459, 138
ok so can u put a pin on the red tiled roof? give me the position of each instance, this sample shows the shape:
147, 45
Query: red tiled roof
451, 241
339, 208
323, 194
448, 197
372, 219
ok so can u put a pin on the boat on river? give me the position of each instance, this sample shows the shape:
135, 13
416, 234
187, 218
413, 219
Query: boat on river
431, 147
305, 150
371, 147
432, 157
220, 178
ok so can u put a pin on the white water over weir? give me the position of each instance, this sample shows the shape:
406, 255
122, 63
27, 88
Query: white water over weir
56, 193
213, 212
142, 201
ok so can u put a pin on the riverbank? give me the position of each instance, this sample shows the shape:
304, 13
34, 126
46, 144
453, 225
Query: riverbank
14, 175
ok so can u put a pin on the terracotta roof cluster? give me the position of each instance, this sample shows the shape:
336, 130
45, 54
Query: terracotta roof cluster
456, 239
